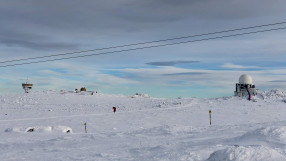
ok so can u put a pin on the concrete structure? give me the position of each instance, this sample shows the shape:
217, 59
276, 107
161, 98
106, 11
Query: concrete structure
245, 87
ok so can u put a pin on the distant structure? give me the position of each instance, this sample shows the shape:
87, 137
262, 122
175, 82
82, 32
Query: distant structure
245, 87
83, 89
27, 86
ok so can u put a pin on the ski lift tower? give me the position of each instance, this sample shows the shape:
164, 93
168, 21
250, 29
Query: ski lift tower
27, 86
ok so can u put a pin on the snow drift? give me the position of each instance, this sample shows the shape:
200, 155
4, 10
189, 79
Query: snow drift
272, 133
248, 153
41, 129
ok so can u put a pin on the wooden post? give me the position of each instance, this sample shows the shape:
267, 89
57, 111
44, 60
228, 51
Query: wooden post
210, 114
85, 127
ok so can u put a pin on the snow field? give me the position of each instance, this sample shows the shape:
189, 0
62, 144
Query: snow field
143, 128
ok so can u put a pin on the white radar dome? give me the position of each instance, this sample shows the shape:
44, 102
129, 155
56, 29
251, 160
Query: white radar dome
245, 79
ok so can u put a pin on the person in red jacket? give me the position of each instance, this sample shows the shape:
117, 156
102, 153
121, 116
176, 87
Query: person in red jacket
114, 109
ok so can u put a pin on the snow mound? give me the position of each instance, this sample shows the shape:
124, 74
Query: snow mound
248, 153
274, 94
140, 95
42, 129
273, 133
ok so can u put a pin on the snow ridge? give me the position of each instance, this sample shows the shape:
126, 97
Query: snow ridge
246, 153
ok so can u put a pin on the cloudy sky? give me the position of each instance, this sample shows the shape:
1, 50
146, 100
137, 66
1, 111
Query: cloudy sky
35, 28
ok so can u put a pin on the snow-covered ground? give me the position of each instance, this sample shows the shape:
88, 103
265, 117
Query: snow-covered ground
50, 126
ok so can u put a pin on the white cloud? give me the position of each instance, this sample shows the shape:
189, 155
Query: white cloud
234, 66
49, 72
166, 76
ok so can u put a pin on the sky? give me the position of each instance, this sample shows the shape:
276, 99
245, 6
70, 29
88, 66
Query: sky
35, 28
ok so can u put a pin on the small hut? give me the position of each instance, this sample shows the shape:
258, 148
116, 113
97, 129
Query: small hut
83, 89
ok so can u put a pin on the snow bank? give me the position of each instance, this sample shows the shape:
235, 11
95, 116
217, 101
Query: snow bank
41, 129
248, 153
272, 133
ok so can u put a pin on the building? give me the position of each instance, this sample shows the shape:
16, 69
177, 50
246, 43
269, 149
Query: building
27, 87
245, 87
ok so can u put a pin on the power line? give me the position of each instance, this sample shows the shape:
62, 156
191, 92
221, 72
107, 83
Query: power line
154, 46
143, 43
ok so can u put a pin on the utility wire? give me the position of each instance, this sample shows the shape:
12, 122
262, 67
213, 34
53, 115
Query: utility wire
154, 46
147, 42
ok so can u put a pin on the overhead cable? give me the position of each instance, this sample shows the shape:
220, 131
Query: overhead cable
144, 43
146, 47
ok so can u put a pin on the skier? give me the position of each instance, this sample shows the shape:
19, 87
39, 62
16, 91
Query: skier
114, 109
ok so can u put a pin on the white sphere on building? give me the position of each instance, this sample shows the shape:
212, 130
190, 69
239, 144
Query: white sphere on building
245, 79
